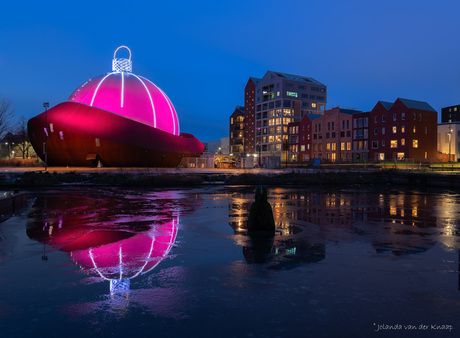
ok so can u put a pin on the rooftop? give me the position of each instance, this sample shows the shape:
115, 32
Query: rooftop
297, 78
420, 105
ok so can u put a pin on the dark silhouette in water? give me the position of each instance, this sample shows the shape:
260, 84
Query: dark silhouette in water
261, 214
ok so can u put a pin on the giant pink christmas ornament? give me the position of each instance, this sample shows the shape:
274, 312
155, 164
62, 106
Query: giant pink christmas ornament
116, 119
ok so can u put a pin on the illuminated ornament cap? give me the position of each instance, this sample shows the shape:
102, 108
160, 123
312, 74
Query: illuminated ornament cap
123, 93
122, 64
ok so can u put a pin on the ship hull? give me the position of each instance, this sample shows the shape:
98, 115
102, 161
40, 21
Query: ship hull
82, 135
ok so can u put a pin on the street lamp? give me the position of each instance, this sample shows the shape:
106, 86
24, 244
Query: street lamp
46, 106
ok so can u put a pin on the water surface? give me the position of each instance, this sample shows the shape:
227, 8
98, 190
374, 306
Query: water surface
116, 262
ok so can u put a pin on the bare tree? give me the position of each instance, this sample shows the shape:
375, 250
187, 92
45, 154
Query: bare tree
22, 135
6, 116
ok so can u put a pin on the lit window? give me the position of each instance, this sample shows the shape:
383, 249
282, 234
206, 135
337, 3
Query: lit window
394, 144
415, 143
403, 129
302, 147
51, 128
414, 129
403, 141
313, 105
394, 130
293, 94
400, 156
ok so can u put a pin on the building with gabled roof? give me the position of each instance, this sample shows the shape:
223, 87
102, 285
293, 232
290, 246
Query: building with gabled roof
300, 139
405, 130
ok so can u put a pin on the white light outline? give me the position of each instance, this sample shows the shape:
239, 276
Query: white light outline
122, 88
121, 263
97, 88
171, 243
95, 266
175, 119
151, 101
146, 260
116, 50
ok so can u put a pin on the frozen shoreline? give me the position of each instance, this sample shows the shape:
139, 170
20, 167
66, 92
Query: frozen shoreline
28, 177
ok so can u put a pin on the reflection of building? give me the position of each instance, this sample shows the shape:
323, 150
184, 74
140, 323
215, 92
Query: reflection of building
116, 119
400, 223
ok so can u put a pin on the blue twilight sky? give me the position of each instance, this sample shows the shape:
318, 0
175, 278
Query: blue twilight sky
201, 53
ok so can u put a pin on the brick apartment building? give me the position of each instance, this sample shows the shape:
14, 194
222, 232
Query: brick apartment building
300, 139
237, 122
332, 135
404, 129
274, 101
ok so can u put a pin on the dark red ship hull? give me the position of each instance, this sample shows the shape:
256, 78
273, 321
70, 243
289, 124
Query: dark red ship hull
82, 135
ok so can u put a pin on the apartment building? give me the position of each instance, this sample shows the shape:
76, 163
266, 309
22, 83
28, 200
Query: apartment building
450, 114
403, 129
237, 124
332, 135
280, 99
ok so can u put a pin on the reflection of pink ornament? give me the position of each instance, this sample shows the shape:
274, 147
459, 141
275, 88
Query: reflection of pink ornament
124, 257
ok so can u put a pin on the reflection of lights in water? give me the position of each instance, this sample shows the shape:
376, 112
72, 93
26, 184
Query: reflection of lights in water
392, 210
119, 285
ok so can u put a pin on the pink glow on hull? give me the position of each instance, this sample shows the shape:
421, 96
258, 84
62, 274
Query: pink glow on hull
131, 96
